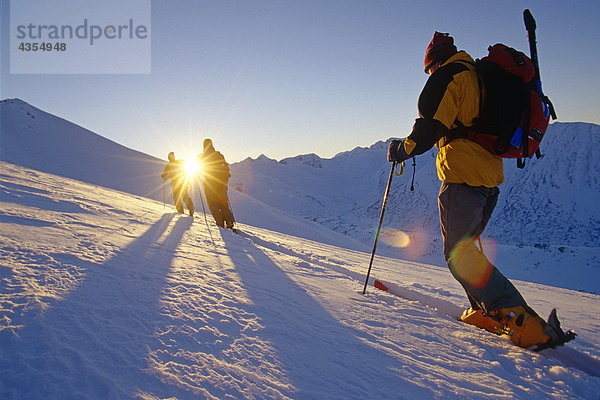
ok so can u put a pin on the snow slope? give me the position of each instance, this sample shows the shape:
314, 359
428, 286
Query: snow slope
45, 142
108, 295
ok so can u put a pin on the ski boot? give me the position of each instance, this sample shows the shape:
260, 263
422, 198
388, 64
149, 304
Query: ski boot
231, 225
481, 319
523, 326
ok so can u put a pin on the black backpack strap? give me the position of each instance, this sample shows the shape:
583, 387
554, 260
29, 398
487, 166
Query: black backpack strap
460, 132
525, 138
538, 154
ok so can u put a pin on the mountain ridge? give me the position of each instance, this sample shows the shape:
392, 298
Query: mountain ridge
39, 140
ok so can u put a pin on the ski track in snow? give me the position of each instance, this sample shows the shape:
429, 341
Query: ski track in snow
109, 295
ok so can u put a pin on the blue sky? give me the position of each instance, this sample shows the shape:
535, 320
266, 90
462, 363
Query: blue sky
283, 78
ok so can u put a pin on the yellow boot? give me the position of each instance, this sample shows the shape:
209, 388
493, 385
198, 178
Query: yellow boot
481, 320
524, 327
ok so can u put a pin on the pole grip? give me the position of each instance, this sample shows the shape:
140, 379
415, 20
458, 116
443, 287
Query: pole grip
530, 26
529, 20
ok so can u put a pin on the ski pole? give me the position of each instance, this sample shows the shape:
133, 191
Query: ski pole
203, 208
531, 26
164, 195
385, 198
229, 205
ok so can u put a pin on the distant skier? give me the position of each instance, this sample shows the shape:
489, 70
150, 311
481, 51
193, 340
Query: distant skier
175, 171
216, 176
470, 178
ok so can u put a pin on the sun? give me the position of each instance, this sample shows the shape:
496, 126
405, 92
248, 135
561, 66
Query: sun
191, 167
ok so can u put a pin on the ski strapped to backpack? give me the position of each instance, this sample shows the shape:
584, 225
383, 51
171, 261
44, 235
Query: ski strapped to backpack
514, 113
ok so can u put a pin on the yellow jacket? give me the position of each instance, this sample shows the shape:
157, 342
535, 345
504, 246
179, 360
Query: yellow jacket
451, 97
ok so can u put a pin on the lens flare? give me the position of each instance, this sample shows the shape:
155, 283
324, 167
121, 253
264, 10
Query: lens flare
395, 238
469, 264
191, 167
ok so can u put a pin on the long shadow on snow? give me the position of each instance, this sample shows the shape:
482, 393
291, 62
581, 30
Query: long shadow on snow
322, 357
94, 342
32, 197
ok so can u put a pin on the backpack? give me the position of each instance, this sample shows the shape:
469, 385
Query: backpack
514, 113
219, 169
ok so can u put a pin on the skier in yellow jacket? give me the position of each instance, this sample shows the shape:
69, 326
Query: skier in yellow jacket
470, 178
175, 171
216, 176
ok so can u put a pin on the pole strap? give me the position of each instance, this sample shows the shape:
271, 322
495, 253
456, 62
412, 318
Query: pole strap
399, 168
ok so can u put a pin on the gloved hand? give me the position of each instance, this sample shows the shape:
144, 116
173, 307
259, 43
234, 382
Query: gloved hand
396, 151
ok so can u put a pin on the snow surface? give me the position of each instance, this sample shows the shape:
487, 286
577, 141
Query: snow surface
107, 294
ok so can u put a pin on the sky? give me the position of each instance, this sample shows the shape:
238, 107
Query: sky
283, 78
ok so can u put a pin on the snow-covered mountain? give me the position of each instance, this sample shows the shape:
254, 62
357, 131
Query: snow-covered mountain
36, 139
550, 202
